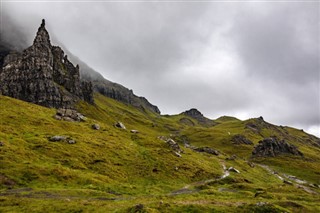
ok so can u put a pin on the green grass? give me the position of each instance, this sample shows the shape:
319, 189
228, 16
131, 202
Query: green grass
112, 170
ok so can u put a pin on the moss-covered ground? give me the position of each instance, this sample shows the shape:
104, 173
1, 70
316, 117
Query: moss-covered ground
114, 170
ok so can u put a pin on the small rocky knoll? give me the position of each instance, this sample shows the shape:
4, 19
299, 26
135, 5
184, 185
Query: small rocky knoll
197, 115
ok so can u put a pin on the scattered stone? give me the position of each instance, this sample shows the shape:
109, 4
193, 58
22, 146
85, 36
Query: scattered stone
57, 138
120, 125
71, 141
174, 146
57, 117
231, 169
134, 131
60, 138
287, 182
262, 203
206, 150
240, 139
271, 147
95, 126
69, 115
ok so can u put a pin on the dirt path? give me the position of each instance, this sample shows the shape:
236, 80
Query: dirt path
289, 179
188, 189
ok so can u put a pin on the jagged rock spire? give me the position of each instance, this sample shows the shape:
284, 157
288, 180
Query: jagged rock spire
43, 23
40, 75
42, 36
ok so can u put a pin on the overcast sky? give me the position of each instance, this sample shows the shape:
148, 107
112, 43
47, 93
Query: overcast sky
224, 58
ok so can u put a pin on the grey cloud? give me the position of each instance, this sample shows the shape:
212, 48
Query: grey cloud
223, 58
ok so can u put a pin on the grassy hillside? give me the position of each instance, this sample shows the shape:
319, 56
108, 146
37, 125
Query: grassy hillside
114, 170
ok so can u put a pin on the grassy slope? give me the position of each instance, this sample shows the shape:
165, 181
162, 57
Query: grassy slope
138, 168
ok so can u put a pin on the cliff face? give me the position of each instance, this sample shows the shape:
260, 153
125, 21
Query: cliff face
122, 94
43, 75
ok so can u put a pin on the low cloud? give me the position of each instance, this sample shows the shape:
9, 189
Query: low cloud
239, 59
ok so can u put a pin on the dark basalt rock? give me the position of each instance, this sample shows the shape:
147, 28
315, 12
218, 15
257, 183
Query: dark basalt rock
271, 147
240, 139
43, 75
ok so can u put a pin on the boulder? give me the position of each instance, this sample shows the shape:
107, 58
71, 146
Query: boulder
57, 138
95, 126
71, 141
174, 146
120, 125
134, 131
60, 138
271, 147
1, 143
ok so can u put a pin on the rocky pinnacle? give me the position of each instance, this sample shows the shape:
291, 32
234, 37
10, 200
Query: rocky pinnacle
42, 74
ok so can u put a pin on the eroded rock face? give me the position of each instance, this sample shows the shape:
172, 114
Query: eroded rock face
43, 75
121, 93
271, 147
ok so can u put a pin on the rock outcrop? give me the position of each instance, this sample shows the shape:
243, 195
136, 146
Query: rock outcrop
197, 115
113, 90
240, 139
42, 74
69, 115
271, 147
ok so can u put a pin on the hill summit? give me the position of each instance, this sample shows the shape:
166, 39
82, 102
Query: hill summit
42, 74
